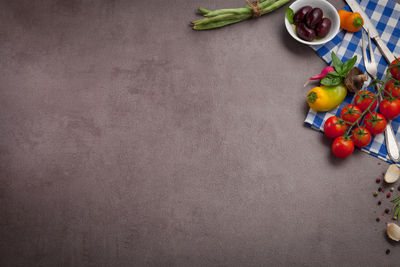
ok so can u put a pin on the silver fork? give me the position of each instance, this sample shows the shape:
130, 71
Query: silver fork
372, 69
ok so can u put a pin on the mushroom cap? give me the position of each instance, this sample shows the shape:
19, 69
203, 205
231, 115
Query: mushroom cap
355, 79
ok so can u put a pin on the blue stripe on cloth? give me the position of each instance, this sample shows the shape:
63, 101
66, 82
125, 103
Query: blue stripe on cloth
385, 15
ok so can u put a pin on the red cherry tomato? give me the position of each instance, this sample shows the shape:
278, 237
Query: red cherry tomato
350, 113
334, 127
392, 89
342, 147
364, 99
375, 123
395, 71
390, 109
361, 137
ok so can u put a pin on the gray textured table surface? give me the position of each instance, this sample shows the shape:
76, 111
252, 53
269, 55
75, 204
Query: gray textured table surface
127, 139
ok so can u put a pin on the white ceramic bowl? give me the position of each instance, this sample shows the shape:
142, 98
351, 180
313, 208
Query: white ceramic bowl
328, 10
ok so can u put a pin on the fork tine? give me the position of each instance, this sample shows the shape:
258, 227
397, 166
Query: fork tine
371, 53
364, 50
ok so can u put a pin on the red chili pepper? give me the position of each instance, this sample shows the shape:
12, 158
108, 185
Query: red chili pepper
320, 76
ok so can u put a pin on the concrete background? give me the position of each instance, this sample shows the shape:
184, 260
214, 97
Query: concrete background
127, 139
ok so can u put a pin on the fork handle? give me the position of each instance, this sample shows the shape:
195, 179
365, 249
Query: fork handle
391, 143
392, 146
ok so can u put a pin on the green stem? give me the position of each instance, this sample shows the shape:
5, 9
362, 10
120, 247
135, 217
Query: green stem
204, 11
396, 199
216, 18
222, 17
239, 11
216, 24
265, 3
395, 206
396, 213
274, 6
235, 11
376, 97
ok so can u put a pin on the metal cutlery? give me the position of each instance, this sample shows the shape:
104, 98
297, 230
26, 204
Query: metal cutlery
372, 69
369, 27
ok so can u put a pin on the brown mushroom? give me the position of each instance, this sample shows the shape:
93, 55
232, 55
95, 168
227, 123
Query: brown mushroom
355, 79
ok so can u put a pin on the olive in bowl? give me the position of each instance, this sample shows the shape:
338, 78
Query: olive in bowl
315, 22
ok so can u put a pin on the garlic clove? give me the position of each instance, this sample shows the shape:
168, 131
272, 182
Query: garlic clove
393, 231
392, 174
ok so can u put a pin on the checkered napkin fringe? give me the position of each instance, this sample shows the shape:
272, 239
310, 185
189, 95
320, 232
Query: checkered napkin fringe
385, 15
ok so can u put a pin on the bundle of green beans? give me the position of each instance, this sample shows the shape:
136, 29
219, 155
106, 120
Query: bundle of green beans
222, 17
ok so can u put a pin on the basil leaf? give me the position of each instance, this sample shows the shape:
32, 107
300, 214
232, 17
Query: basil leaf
331, 80
348, 65
337, 64
334, 73
290, 15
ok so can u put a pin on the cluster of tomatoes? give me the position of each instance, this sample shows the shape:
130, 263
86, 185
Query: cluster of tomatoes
374, 123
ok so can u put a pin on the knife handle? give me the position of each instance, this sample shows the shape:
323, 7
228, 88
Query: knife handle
384, 50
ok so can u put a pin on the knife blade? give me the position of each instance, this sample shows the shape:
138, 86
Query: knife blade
368, 26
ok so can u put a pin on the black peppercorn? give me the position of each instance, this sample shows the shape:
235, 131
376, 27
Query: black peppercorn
387, 251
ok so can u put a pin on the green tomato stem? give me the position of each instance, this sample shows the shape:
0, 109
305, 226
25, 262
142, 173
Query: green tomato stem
376, 97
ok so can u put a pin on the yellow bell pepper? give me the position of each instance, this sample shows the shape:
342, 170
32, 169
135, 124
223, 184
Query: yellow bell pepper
325, 98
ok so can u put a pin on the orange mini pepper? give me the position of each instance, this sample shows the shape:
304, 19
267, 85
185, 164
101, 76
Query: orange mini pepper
350, 21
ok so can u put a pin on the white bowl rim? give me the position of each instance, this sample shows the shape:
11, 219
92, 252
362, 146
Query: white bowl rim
319, 42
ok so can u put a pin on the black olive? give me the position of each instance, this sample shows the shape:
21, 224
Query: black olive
304, 32
323, 27
314, 17
301, 14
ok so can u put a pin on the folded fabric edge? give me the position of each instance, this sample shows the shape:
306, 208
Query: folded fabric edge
361, 149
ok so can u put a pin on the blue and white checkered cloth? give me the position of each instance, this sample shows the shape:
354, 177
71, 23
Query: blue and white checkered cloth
385, 15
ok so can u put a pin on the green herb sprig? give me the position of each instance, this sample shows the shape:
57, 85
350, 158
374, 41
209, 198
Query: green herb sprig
341, 69
396, 206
